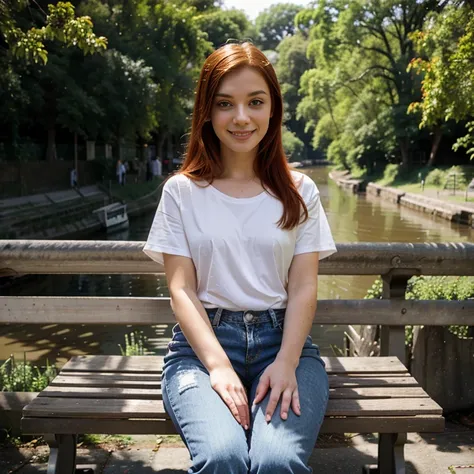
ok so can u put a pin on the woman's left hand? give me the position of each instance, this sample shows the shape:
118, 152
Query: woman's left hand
280, 378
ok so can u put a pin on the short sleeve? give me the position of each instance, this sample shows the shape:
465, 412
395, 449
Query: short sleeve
314, 235
167, 232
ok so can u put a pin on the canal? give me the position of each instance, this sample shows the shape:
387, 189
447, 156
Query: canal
352, 219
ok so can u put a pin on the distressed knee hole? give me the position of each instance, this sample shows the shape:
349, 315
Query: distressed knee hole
186, 381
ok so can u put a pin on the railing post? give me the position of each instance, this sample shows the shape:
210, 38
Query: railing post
392, 338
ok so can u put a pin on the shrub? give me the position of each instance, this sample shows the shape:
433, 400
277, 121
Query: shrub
24, 377
436, 177
432, 288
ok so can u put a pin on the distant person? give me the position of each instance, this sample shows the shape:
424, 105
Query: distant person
155, 168
240, 235
73, 178
121, 173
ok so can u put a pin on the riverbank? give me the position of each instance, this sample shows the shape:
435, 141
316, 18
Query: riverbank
423, 201
69, 213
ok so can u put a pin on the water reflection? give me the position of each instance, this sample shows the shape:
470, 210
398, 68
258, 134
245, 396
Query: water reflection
352, 219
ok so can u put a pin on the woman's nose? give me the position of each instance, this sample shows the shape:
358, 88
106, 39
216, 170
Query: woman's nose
241, 116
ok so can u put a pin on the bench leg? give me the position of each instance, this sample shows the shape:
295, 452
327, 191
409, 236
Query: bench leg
391, 456
62, 455
391, 453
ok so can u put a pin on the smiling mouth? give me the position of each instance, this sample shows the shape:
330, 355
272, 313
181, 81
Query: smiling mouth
242, 134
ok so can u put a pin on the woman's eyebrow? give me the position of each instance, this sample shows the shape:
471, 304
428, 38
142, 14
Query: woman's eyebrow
251, 94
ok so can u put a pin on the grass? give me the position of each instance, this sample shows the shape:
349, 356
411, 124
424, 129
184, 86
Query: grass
435, 178
132, 191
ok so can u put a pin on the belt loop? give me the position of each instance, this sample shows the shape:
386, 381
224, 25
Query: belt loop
274, 318
217, 318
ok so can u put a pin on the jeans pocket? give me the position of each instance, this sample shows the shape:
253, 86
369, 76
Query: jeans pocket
176, 330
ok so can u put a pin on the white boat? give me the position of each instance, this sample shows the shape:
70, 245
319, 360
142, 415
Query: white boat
113, 216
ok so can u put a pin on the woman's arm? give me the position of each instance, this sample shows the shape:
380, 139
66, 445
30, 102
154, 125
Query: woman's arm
280, 376
194, 322
190, 313
301, 306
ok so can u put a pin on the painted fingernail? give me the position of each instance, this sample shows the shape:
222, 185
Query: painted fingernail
246, 427
284, 416
268, 418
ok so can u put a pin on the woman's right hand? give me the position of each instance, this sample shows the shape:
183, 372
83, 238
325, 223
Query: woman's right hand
228, 385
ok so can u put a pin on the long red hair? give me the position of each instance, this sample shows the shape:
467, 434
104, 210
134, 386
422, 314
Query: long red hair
202, 162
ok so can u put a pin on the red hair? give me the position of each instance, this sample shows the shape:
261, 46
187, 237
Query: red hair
202, 160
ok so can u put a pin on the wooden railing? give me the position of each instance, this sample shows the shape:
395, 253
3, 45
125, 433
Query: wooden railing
396, 263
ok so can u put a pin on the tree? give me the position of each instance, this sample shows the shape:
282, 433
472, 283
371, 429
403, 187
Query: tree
361, 51
60, 24
447, 43
275, 23
224, 25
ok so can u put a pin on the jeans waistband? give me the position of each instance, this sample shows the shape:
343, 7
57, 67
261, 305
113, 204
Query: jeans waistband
217, 315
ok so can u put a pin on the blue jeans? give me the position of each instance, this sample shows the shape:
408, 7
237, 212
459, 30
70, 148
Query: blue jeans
217, 443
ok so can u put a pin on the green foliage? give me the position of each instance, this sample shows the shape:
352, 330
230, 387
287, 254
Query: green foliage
438, 177
435, 177
222, 26
293, 146
61, 25
447, 43
432, 288
24, 377
358, 91
390, 174
134, 344
275, 23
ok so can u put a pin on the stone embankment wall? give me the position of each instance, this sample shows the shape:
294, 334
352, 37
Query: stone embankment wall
345, 181
435, 207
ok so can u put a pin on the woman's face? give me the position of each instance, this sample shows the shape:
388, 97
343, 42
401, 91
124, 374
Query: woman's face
241, 110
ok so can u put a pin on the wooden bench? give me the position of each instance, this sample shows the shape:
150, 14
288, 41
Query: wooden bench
122, 395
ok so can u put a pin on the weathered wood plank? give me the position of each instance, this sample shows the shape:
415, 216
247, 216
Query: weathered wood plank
100, 382
103, 257
340, 365
101, 363
156, 394
15, 401
146, 311
377, 392
398, 424
342, 381
128, 408
335, 381
154, 364
101, 392
123, 375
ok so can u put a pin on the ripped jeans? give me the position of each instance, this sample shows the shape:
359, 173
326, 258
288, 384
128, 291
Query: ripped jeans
217, 443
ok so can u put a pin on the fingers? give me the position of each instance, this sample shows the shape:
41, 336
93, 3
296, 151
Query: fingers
262, 389
295, 403
288, 397
240, 401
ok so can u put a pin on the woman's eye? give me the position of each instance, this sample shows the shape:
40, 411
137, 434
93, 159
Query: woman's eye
224, 104
256, 102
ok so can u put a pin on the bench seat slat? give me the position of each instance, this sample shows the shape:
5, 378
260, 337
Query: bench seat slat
126, 408
154, 364
155, 394
157, 376
334, 381
397, 424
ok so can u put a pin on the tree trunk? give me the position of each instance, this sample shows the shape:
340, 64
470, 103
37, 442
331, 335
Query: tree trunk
405, 152
438, 134
51, 154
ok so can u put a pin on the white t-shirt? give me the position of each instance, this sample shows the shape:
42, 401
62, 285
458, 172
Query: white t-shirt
242, 257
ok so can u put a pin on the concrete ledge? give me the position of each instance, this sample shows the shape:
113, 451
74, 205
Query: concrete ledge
11, 407
436, 207
344, 180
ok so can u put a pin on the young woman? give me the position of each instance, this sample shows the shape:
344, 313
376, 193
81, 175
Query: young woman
240, 236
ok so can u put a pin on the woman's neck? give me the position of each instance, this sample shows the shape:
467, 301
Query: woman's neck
238, 166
